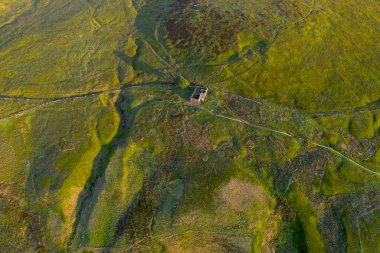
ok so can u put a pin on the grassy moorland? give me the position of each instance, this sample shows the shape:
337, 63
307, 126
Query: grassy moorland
101, 152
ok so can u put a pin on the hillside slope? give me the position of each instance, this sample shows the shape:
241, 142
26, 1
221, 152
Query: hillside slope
100, 150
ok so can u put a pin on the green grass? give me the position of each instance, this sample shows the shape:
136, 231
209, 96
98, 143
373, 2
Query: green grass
361, 125
129, 168
170, 178
307, 217
332, 184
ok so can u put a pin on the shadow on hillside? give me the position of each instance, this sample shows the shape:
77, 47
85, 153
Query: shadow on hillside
138, 65
89, 195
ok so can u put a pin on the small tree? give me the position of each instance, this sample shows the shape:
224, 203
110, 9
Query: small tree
182, 82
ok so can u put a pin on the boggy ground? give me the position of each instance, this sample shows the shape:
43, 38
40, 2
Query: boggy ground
310, 55
100, 152
235, 174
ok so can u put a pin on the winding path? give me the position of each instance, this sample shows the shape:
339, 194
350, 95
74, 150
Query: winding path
48, 101
291, 136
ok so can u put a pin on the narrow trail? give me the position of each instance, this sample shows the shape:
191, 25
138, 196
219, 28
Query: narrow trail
291, 136
16, 98
246, 123
48, 101
316, 115
89, 94
345, 157
25, 111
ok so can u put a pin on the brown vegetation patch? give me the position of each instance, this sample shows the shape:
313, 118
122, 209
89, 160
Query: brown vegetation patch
196, 25
197, 136
200, 26
205, 241
240, 195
